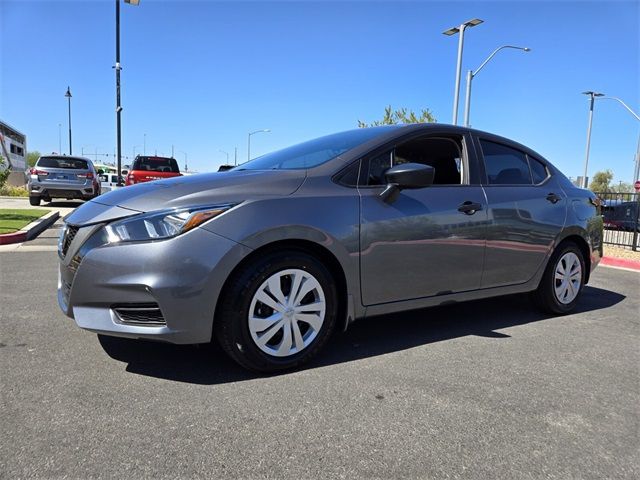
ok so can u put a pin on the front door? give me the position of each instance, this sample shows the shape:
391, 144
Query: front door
429, 241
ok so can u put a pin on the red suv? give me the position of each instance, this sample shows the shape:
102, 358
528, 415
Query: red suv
146, 169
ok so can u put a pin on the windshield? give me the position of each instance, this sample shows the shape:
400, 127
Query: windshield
314, 152
62, 162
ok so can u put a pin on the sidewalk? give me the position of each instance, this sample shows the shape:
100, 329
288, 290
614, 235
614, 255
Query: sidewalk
35, 228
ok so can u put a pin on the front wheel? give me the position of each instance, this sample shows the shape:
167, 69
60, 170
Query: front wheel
277, 312
562, 282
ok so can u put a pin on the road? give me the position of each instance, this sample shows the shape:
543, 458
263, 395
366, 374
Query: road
489, 389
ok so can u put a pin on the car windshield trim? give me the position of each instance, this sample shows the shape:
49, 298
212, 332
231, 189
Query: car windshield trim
315, 152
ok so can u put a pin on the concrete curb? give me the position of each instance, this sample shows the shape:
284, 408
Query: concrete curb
32, 230
620, 263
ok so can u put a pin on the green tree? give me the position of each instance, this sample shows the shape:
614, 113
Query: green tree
4, 171
402, 115
601, 181
622, 187
32, 158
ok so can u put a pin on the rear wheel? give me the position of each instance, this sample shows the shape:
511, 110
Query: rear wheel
35, 201
562, 282
278, 312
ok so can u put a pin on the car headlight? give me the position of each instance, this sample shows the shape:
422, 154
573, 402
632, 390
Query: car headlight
160, 225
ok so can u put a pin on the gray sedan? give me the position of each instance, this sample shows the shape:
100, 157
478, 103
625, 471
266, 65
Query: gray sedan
271, 257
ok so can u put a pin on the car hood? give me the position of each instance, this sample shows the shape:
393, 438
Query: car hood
188, 191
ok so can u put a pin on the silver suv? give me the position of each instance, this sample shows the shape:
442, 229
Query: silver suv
57, 176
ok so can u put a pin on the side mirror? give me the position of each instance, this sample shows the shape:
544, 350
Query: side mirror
406, 176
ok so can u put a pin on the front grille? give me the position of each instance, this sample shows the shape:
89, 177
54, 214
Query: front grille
72, 230
147, 314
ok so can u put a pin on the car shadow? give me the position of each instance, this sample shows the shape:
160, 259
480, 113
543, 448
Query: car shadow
208, 365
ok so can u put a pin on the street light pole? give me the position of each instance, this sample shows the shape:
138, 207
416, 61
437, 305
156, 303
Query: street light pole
453, 30
222, 151
68, 95
471, 74
118, 67
185, 160
249, 141
592, 96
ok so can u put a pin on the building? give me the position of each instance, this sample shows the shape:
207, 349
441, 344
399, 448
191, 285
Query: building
13, 148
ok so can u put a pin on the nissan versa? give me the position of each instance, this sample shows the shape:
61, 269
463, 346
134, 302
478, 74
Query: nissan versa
273, 256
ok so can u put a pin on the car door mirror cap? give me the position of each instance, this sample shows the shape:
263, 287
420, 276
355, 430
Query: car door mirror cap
406, 176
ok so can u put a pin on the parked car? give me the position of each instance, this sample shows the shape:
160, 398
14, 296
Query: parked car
147, 169
61, 176
109, 181
272, 257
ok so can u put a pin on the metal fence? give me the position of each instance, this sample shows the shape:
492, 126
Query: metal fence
621, 214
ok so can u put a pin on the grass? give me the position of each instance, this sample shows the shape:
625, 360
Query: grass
11, 191
12, 220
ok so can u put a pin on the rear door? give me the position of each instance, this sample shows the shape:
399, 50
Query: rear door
429, 241
62, 170
527, 210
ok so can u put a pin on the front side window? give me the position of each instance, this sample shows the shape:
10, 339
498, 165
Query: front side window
505, 165
443, 154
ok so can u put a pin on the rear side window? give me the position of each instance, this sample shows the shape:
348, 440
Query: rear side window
61, 162
505, 165
156, 164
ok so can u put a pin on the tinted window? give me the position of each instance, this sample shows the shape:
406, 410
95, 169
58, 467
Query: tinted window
62, 162
349, 176
443, 154
505, 165
314, 152
538, 171
376, 167
156, 164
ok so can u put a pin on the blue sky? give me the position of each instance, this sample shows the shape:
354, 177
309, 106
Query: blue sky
200, 75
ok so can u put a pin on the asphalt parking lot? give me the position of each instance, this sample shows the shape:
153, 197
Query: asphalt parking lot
489, 389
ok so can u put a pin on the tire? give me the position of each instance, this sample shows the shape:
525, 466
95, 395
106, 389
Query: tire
265, 334
560, 295
34, 201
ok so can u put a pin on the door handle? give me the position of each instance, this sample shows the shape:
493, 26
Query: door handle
469, 207
553, 198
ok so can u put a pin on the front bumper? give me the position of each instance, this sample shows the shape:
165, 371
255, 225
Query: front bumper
183, 276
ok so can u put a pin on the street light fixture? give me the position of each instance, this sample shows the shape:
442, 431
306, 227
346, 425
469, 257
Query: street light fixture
453, 30
118, 67
636, 169
471, 74
249, 141
592, 96
68, 95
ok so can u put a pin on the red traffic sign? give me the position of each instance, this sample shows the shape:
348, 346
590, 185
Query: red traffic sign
637, 185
